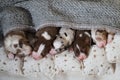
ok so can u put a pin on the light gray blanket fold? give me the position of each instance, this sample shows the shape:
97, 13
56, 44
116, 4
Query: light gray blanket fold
15, 18
92, 12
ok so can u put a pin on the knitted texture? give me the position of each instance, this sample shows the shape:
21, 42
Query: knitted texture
15, 17
96, 12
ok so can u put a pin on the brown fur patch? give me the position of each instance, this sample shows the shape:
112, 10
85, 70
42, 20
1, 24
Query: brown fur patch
84, 42
52, 31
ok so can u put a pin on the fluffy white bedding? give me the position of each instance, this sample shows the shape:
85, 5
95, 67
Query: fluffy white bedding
65, 66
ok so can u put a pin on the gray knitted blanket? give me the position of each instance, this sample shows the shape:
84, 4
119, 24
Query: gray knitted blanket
93, 12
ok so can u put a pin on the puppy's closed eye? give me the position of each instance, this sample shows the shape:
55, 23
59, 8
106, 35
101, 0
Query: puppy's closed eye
60, 36
15, 45
65, 34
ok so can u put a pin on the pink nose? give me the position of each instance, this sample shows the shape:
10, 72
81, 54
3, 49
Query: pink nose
11, 56
36, 56
82, 56
102, 44
53, 52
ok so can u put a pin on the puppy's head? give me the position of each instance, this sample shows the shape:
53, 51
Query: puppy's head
82, 43
67, 34
60, 44
16, 43
101, 38
101, 35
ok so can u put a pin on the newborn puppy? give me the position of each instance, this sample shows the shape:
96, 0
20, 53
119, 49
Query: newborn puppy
82, 43
19, 36
45, 37
111, 35
100, 37
63, 40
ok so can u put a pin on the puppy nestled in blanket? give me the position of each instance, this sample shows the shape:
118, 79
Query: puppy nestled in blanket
18, 31
19, 35
45, 37
96, 63
21, 40
63, 40
52, 39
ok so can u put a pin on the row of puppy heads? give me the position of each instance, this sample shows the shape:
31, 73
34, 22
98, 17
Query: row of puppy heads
22, 39
53, 40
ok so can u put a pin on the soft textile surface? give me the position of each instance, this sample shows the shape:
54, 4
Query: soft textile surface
113, 50
97, 63
9, 65
96, 12
62, 66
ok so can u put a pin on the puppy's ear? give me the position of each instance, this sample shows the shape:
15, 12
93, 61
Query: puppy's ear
17, 32
65, 34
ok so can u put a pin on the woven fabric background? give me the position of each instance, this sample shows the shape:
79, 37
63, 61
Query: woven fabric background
93, 12
99, 12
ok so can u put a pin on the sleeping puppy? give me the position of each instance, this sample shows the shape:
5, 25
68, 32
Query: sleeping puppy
63, 40
82, 44
102, 37
45, 37
18, 32
111, 35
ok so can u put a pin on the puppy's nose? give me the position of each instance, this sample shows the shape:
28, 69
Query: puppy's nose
53, 52
36, 56
82, 56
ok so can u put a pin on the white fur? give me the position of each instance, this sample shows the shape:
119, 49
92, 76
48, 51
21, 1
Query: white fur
57, 44
87, 33
46, 35
26, 50
41, 48
93, 31
77, 47
113, 50
80, 35
10, 41
65, 40
60, 42
110, 36
96, 63
70, 34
